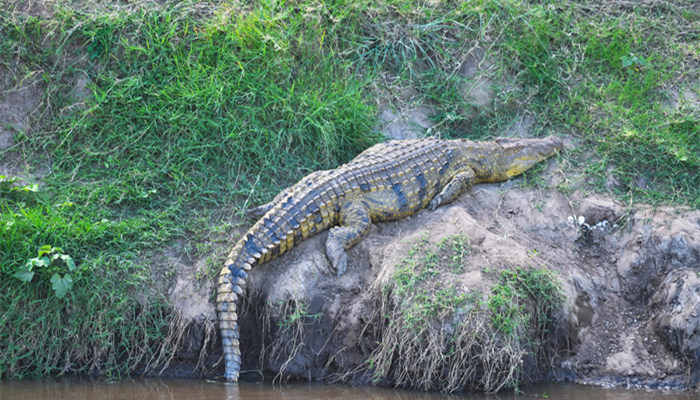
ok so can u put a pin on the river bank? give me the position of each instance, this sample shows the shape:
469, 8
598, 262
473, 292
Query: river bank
623, 311
133, 134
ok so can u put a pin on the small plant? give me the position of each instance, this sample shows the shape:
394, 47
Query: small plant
506, 311
460, 249
50, 261
632, 63
299, 316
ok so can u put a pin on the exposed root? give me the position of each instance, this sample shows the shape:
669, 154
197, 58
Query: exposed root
290, 334
186, 335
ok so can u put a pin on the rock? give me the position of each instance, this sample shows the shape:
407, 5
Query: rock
676, 305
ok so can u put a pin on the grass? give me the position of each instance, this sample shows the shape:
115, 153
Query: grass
510, 295
194, 110
433, 334
175, 128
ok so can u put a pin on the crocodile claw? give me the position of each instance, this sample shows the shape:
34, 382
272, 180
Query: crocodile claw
338, 257
435, 203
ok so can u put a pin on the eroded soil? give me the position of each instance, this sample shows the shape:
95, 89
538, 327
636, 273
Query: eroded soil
631, 315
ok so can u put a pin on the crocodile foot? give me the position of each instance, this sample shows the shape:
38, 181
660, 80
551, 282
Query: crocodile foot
338, 257
435, 202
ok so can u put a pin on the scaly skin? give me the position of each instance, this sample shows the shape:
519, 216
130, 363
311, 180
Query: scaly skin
386, 182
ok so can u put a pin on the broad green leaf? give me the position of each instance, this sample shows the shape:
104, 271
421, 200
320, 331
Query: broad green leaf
69, 261
42, 262
45, 249
61, 286
24, 274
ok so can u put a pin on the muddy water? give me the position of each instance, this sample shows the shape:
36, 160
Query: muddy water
201, 390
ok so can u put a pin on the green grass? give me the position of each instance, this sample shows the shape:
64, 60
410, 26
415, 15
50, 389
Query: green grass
194, 110
187, 117
419, 280
515, 289
431, 325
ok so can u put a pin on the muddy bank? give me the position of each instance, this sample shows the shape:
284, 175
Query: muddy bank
630, 278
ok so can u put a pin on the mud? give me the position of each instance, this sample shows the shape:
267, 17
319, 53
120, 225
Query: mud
631, 278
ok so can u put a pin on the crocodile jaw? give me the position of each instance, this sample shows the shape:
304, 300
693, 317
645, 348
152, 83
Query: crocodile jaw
505, 158
521, 155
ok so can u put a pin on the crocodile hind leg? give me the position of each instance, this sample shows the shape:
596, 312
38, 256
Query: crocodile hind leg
460, 183
354, 225
231, 285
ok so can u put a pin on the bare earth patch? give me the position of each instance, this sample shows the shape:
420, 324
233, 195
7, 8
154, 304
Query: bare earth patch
17, 104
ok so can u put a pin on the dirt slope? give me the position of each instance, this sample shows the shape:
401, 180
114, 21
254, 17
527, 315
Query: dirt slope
631, 314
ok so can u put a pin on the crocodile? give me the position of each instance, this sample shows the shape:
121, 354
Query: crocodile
386, 182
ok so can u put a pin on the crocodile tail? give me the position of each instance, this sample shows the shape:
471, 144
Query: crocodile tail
231, 286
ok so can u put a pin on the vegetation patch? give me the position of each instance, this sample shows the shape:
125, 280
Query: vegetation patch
434, 334
191, 111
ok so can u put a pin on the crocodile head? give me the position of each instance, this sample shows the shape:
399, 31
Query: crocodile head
505, 158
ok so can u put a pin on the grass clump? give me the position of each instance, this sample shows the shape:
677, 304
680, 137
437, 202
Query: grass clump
95, 323
433, 334
523, 302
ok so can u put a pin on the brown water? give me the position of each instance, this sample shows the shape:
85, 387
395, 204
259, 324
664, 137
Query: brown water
172, 389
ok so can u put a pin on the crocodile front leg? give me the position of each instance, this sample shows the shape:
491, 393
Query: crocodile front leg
354, 225
460, 183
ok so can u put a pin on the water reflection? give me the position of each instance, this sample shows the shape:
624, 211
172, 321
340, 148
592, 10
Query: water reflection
172, 389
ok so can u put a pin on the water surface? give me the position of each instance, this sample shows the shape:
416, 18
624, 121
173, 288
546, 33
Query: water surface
180, 389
